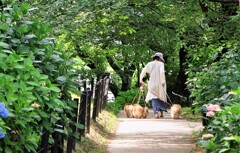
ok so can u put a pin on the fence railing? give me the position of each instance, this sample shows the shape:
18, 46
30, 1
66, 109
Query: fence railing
84, 112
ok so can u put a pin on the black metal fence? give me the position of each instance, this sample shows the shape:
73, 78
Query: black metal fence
84, 112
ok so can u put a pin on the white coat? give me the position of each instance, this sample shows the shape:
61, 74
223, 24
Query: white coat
157, 78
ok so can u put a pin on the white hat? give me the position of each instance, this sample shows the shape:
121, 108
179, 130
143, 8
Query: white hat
160, 55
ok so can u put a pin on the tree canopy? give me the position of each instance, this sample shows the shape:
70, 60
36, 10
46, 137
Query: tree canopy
124, 34
40, 41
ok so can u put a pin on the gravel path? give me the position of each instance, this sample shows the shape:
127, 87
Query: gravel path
151, 135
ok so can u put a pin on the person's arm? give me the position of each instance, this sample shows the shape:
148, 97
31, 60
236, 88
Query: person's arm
162, 75
143, 73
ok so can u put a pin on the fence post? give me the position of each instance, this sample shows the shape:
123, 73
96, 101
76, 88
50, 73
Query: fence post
92, 84
89, 98
58, 140
82, 114
95, 104
106, 78
101, 96
71, 139
85, 84
44, 142
105, 94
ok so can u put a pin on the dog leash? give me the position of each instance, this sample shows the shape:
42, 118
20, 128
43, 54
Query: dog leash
169, 99
178, 95
136, 96
143, 89
139, 94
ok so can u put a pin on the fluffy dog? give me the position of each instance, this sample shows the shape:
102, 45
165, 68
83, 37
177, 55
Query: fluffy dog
126, 109
137, 111
145, 112
130, 110
175, 111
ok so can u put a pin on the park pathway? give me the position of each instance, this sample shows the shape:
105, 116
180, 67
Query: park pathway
151, 135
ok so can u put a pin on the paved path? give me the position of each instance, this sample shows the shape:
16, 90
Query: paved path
151, 135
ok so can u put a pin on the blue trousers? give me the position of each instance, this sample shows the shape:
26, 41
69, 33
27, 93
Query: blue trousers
158, 105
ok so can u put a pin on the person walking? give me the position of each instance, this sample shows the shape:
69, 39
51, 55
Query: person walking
156, 84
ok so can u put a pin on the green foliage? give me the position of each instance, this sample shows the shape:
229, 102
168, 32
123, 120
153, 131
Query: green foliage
213, 59
120, 34
224, 127
190, 114
223, 74
36, 80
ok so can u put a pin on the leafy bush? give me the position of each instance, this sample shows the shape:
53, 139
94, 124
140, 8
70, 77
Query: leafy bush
215, 81
35, 80
188, 114
223, 130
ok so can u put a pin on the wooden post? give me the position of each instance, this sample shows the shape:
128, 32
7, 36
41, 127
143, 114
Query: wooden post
44, 142
95, 104
92, 84
82, 115
71, 140
101, 96
58, 140
89, 98
105, 91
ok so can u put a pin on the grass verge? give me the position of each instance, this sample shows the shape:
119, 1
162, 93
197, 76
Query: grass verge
189, 115
193, 116
101, 132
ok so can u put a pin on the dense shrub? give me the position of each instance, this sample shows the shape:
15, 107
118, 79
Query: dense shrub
212, 84
36, 80
223, 130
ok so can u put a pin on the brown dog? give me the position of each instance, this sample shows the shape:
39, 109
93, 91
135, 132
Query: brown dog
145, 112
130, 110
137, 111
175, 111
126, 109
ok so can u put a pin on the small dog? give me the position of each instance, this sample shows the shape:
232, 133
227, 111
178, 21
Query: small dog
126, 109
130, 110
175, 111
137, 111
145, 112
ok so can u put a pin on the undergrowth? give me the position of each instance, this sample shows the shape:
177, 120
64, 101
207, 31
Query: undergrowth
190, 114
101, 132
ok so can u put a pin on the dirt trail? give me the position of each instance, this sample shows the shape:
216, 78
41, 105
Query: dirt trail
151, 135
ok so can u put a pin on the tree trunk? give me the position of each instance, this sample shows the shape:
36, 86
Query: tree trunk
182, 77
126, 79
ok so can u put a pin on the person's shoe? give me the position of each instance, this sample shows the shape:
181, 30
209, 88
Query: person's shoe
156, 115
160, 115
